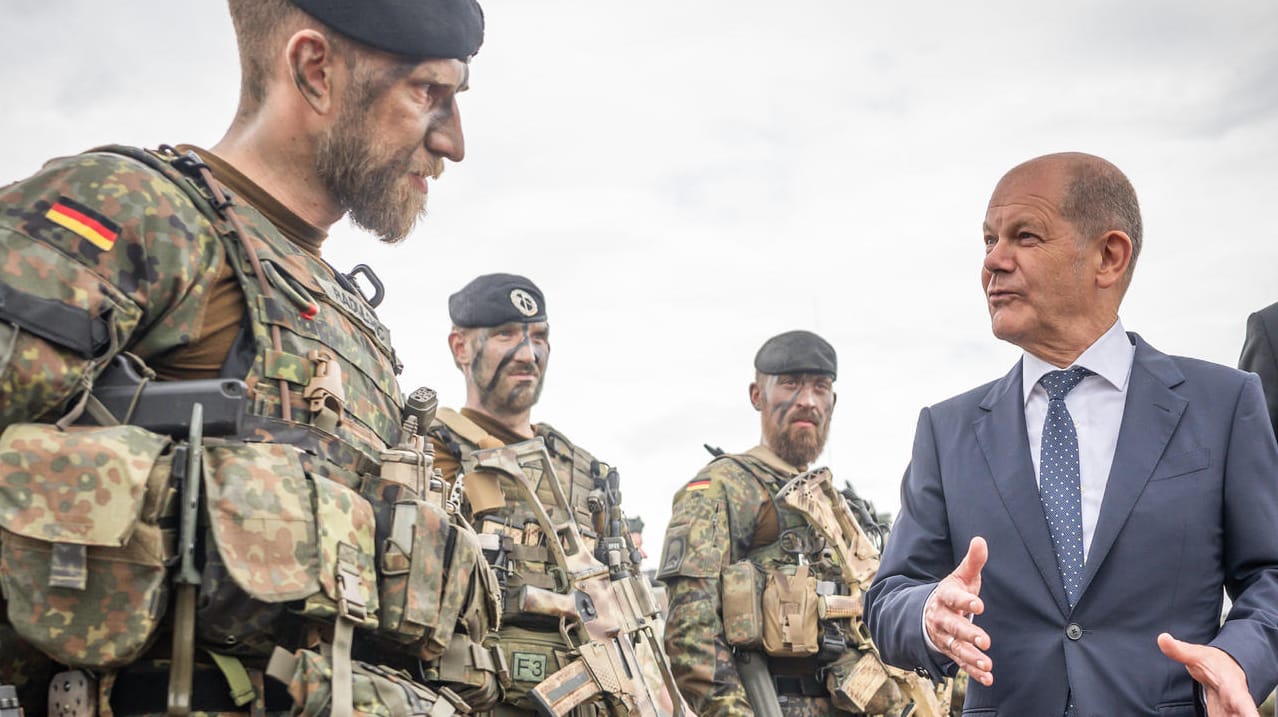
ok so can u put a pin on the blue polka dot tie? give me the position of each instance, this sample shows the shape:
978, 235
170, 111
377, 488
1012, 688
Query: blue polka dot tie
1058, 478
1058, 483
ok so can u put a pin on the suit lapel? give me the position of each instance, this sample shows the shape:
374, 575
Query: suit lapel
1000, 430
1150, 416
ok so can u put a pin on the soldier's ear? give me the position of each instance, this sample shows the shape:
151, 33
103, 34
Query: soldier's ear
459, 347
312, 61
756, 396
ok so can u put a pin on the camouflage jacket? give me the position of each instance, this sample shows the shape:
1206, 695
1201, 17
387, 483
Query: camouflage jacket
713, 524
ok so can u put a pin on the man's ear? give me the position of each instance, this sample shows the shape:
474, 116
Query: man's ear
756, 396
1115, 250
460, 348
311, 61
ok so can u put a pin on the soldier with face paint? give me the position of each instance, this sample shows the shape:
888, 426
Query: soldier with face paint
500, 341
725, 523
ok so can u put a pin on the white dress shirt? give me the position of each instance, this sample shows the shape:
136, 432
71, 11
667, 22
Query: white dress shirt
1096, 405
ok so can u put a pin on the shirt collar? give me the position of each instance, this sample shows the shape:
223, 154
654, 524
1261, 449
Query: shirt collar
1109, 357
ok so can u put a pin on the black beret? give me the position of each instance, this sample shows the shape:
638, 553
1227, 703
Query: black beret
496, 299
416, 28
797, 352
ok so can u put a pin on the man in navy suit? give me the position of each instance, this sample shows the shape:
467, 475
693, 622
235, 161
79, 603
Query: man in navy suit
1060, 525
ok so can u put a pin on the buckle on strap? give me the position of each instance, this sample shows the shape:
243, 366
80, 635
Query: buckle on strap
324, 391
351, 602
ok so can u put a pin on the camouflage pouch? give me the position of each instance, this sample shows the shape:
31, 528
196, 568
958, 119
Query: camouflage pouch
283, 535
743, 604
82, 559
790, 626
376, 691
413, 542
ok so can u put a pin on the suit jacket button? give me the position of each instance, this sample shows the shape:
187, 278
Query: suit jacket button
1074, 632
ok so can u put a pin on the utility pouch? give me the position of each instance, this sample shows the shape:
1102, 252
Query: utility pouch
375, 691
81, 553
413, 541
858, 682
743, 604
790, 627
280, 539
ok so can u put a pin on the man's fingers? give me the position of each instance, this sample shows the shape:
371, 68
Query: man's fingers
969, 571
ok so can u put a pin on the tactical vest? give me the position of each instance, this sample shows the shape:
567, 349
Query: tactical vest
770, 593
577, 470
308, 539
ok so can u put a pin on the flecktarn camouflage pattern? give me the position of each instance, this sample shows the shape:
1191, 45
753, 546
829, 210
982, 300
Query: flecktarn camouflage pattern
116, 251
725, 544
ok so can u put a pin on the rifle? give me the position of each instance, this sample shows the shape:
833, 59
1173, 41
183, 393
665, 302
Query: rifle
814, 496
615, 548
756, 678
609, 620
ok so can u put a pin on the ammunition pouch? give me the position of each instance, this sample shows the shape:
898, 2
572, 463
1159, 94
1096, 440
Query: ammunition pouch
376, 691
790, 625
743, 584
281, 536
82, 555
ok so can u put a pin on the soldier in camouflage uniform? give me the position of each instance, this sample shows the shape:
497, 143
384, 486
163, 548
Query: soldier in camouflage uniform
727, 515
204, 265
500, 341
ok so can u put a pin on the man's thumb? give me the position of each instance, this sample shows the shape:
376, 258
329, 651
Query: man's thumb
1173, 648
977, 553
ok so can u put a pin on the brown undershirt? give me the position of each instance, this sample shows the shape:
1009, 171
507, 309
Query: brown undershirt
204, 355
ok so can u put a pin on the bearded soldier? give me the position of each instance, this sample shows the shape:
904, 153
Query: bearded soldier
729, 537
500, 341
183, 266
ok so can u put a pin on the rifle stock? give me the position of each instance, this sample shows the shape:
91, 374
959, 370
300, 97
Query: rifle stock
608, 619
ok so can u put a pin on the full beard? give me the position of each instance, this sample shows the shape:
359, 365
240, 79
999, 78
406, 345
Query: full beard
799, 446
374, 193
514, 400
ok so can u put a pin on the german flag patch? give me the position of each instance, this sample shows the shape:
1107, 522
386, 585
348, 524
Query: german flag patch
84, 222
698, 484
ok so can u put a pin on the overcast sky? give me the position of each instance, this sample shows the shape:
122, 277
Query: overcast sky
685, 179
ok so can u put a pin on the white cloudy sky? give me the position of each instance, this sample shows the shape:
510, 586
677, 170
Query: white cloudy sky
684, 179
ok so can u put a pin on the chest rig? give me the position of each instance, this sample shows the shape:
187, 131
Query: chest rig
508, 517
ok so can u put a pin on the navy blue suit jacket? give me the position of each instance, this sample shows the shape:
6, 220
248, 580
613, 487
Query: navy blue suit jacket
1191, 506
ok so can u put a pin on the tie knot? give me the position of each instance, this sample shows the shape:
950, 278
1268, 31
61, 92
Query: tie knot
1059, 383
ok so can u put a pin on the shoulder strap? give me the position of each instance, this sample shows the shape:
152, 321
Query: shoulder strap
462, 426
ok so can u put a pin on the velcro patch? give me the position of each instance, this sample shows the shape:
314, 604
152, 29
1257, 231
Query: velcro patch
528, 667
84, 222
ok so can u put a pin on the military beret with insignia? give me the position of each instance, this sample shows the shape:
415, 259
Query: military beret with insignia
415, 28
796, 352
496, 299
